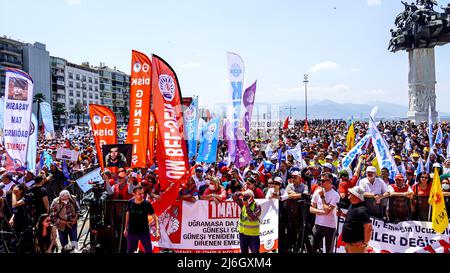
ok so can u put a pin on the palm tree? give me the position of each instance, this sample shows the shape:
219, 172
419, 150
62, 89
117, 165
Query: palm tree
38, 98
78, 110
58, 111
125, 113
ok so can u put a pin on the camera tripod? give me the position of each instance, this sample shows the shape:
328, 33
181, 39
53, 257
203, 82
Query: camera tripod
305, 229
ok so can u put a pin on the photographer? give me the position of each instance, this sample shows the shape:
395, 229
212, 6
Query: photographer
248, 221
64, 212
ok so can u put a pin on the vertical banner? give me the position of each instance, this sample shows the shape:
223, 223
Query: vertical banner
103, 122
47, 119
249, 101
208, 147
191, 126
151, 140
2, 107
236, 76
139, 120
243, 155
172, 154
32, 144
17, 115
384, 157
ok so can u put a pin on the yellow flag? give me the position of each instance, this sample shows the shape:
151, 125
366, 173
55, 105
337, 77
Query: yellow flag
376, 165
439, 214
350, 137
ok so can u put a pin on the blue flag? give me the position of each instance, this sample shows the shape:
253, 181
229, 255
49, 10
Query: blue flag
191, 126
65, 170
439, 136
207, 151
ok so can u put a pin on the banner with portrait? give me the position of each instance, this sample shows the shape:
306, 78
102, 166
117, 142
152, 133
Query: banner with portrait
117, 155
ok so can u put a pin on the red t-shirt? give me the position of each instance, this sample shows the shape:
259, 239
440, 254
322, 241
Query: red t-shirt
420, 192
221, 192
397, 189
345, 185
259, 194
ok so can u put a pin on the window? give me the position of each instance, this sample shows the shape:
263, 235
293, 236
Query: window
70, 75
90, 79
78, 85
84, 95
96, 88
90, 87
70, 84
78, 94
96, 81
90, 95
84, 86
71, 102
78, 77
70, 92
96, 96
84, 78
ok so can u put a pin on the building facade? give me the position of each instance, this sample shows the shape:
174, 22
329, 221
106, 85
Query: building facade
114, 92
10, 56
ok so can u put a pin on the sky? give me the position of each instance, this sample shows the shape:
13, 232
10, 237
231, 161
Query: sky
341, 44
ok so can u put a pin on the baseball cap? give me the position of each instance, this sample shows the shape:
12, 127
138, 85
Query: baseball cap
358, 192
399, 176
371, 169
415, 155
327, 165
278, 180
329, 157
296, 173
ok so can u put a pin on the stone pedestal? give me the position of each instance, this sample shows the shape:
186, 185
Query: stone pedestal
422, 84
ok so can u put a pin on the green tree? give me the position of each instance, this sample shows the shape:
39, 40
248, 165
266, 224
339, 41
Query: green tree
58, 111
125, 114
78, 111
38, 99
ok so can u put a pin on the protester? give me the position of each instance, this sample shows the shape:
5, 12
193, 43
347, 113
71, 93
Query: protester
45, 239
215, 191
136, 222
64, 212
323, 205
248, 221
276, 192
357, 229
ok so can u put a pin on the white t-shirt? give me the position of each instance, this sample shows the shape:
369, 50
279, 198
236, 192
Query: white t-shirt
198, 182
331, 198
378, 186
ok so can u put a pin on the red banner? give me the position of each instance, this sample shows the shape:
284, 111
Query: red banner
140, 89
151, 140
103, 122
172, 155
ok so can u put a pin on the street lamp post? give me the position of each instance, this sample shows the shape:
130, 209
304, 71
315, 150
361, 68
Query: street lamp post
306, 96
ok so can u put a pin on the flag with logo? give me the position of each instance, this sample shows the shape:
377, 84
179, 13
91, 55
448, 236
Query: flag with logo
207, 151
439, 215
249, 101
139, 120
243, 154
103, 122
166, 94
382, 152
191, 126
32, 144
236, 77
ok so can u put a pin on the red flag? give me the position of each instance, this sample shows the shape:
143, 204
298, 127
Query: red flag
172, 154
138, 124
286, 124
151, 140
103, 122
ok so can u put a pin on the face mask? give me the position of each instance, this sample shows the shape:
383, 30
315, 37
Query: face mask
445, 187
211, 187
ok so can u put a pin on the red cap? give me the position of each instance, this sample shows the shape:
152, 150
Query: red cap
111, 182
399, 176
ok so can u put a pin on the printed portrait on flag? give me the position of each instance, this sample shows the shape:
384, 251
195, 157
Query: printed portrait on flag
18, 89
117, 155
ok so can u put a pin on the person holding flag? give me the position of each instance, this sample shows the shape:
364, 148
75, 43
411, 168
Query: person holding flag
439, 215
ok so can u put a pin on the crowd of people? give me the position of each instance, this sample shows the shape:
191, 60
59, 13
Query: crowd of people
311, 190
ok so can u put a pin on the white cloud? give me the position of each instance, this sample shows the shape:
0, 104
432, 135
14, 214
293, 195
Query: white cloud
377, 92
373, 2
324, 66
73, 2
190, 65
